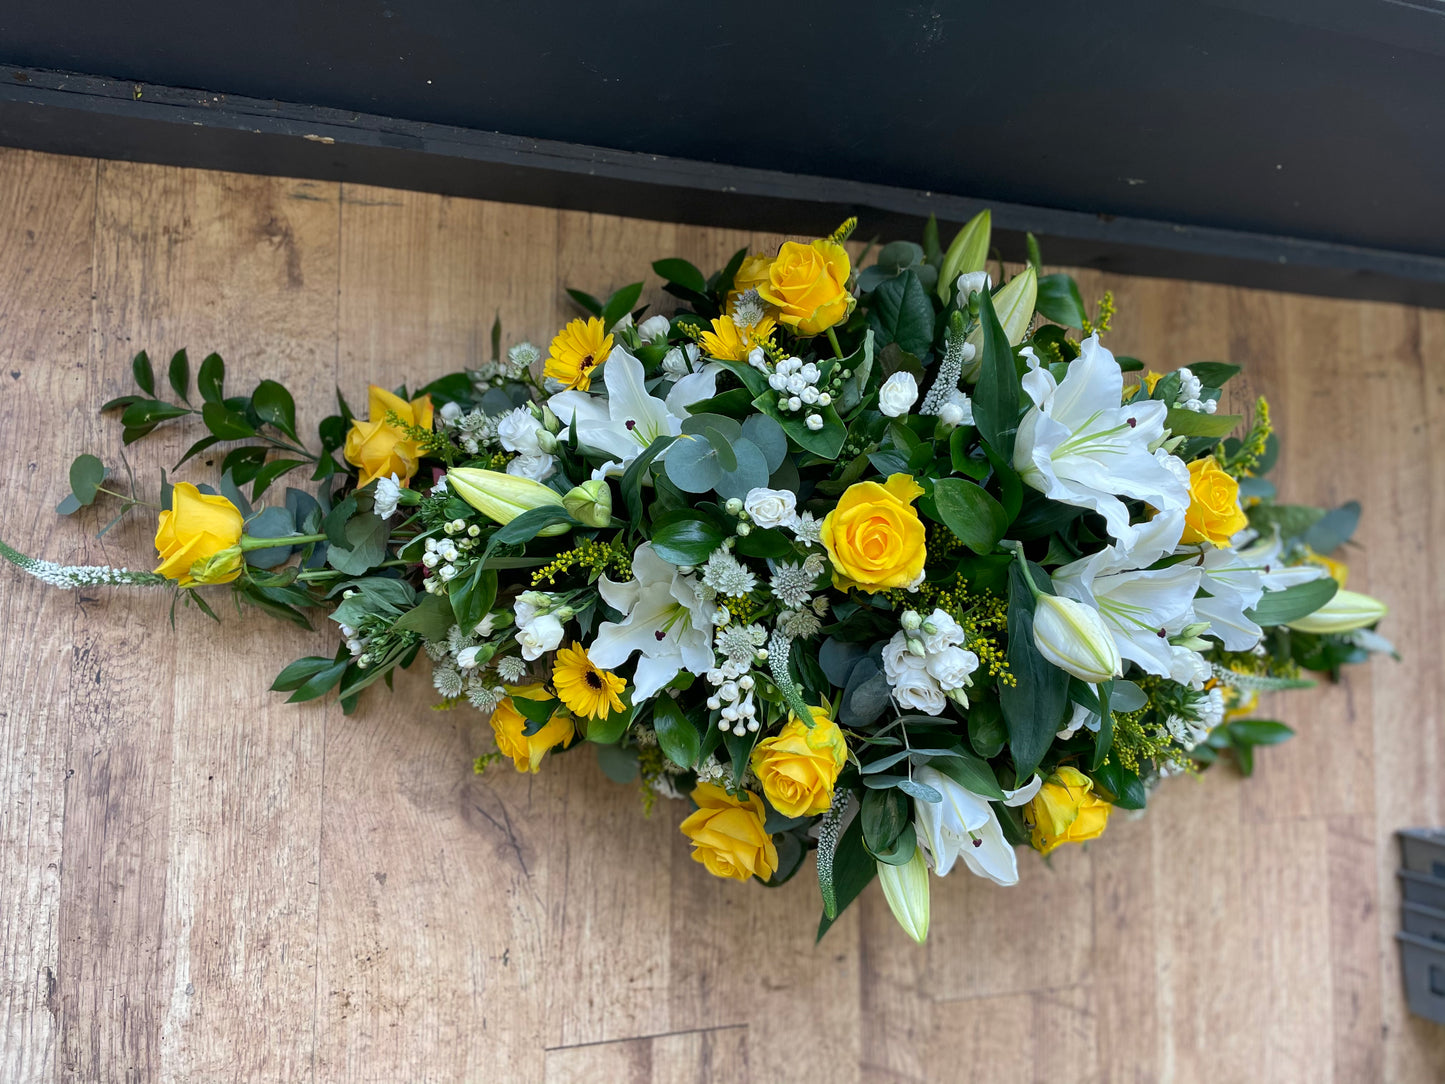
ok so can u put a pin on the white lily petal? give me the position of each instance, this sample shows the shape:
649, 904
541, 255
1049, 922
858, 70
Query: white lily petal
991, 856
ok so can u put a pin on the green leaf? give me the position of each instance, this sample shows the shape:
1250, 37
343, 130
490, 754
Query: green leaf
299, 672
900, 312
1105, 738
1258, 732
244, 463
986, 731
1033, 709
1292, 520
1127, 788
676, 736
179, 375
975, 518
968, 252
620, 304
853, 869
1059, 300
196, 449
432, 618
270, 523
68, 505
586, 301
996, 398
148, 412
1035, 259
531, 523
273, 403
1191, 423
270, 472
224, 423
211, 379
365, 547
318, 684
1334, 528
472, 595
681, 272
884, 814
86, 474
630, 486
145, 376
1213, 374
826, 442
617, 762
971, 773
1301, 600
683, 537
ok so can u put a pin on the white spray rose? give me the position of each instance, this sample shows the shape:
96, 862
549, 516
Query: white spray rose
654, 327
771, 507
536, 467
898, 394
517, 431
540, 636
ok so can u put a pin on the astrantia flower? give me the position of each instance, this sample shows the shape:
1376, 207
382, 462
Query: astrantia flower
726, 575
1078, 446
448, 680
807, 530
510, 669
577, 350
484, 697
739, 644
748, 310
585, 688
792, 585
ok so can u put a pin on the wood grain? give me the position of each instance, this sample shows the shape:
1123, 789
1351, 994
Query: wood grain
199, 883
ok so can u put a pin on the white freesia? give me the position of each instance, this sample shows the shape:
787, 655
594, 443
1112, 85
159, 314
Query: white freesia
964, 825
517, 432
536, 467
666, 620
388, 495
540, 635
654, 327
628, 420
898, 394
1140, 608
1071, 635
771, 507
1078, 446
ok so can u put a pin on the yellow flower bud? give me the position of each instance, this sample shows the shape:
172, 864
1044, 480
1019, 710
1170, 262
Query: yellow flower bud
221, 567
591, 502
503, 497
1066, 810
1347, 611
1073, 637
967, 253
905, 888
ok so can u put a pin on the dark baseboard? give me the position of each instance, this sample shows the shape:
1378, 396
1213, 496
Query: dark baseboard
82, 115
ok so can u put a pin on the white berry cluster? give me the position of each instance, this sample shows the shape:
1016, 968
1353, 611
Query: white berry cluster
442, 555
1190, 388
796, 383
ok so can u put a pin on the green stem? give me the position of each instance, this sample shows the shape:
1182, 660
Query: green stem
837, 350
249, 543
330, 573
128, 500
276, 442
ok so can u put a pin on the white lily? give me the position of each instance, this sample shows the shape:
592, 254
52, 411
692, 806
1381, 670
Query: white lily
667, 622
1141, 608
965, 825
1235, 581
1078, 446
628, 419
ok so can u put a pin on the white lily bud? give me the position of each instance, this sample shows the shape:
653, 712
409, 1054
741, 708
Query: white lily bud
1014, 307
1072, 636
1345, 612
968, 252
502, 497
905, 888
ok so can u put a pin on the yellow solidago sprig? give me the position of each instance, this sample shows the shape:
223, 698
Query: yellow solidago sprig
576, 352
1246, 458
585, 688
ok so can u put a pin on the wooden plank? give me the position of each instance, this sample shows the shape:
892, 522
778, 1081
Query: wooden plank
47, 221
702, 1056
189, 899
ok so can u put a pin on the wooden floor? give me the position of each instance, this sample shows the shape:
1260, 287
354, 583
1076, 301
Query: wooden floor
200, 883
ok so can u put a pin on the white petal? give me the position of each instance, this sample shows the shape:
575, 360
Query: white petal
992, 857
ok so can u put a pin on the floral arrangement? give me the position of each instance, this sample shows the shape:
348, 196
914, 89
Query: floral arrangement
892, 565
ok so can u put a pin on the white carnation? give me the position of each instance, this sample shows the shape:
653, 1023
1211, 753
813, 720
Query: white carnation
898, 394
536, 467
517, 431
388, 493
951, 668
914, 688
771, 507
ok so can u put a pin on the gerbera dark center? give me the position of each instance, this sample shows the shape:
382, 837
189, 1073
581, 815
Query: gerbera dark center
586, 362
593, 681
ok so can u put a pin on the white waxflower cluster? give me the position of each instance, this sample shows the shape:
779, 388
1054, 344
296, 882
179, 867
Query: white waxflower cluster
926, 663
739, 647
796, 383
442, 555
726, 575
1190, 389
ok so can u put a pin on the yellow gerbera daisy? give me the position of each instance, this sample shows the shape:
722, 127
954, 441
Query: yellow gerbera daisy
577, 350
728, 342
585, 689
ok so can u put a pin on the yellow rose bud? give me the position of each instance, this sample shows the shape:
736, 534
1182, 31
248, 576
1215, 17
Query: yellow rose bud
807, 284
1214, 514
381, 450
591, 502
1066, 810
905, 888
1073, 637
503, 497
509, 724
799, 765
196, 528
1345, 612
874, 537
727, 834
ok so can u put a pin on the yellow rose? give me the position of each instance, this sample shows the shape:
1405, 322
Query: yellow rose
381, 450
199, 529
752, 274
1066, 810
874, 537
807, 284
1214, 514
727, 834
799, 765
527, 751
